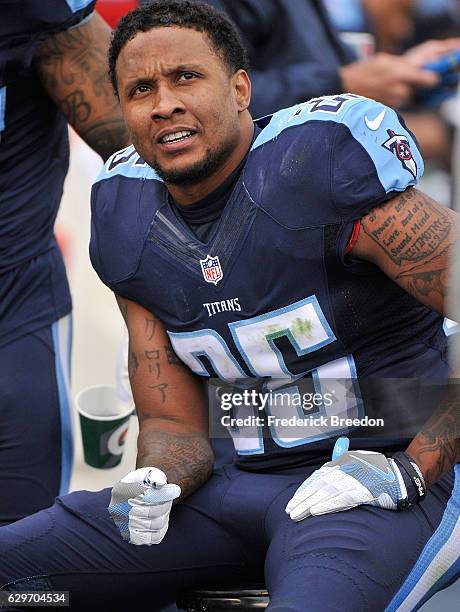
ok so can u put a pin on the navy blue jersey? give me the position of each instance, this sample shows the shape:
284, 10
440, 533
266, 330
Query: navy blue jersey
33, 164
270, 296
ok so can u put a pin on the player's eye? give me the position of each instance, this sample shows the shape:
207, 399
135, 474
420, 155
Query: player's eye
140, 89
186, 76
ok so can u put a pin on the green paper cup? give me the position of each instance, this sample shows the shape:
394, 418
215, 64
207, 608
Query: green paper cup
104, 422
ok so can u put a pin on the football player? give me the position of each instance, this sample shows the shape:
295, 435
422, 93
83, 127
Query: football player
296, 253
52, 70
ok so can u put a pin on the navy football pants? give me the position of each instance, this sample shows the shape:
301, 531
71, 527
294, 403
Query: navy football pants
35, 423
234, 530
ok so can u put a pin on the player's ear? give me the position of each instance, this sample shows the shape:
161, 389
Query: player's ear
242, 89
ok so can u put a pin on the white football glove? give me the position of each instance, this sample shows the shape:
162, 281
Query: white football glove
140, 505
352, 478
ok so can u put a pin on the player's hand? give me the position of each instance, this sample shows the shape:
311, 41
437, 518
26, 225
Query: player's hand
140, 505
390, 79
430, 51
351, 479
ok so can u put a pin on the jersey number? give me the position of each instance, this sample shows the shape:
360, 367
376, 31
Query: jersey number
325, 104
305, 326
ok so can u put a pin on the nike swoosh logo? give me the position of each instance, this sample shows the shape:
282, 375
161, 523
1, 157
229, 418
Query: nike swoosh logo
388, 475
374, 124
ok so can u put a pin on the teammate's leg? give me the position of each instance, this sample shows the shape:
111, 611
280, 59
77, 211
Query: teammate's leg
35, 421
366, 558
75, 546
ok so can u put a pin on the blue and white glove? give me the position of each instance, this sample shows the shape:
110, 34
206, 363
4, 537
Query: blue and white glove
351, 479
140, 505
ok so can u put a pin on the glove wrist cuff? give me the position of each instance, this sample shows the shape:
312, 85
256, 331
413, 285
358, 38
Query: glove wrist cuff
414, 474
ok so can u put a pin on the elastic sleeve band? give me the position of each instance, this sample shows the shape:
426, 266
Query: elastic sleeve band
353, 237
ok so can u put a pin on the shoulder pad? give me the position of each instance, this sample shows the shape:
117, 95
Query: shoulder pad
324, 108
378, 128
124, 200
127, 162
52, 15
26, 23
345, 152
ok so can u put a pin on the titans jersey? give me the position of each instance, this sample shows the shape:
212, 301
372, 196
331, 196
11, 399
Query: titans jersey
270, 296
33, 164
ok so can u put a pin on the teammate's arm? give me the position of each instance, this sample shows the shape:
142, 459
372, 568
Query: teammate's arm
411, 238
170, 403
72, 67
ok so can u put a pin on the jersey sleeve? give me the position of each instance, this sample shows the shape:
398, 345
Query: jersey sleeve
124, 199
348, 152
330, 160
54, 16
373, 156
24, 25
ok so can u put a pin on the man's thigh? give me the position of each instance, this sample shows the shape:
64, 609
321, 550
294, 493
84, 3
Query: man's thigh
365, 558
35, 424
75, 546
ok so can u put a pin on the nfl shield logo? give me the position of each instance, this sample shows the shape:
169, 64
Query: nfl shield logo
212, 272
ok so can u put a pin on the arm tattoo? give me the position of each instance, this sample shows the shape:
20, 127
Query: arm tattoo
161, 387
426, 228
108, 134
150, 327
133, 365
417, 237
436, 447
153, 358
186, 459
75, 107
424, 283
72, 66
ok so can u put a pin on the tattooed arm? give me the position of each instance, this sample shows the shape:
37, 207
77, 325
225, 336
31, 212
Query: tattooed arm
411, 238
72, 66
436, 448
170, 403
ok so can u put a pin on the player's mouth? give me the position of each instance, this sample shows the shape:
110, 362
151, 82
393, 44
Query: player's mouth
177, 139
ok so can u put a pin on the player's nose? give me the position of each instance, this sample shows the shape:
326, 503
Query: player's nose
166, 103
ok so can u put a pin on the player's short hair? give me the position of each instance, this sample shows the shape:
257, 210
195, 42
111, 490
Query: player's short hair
192, 14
